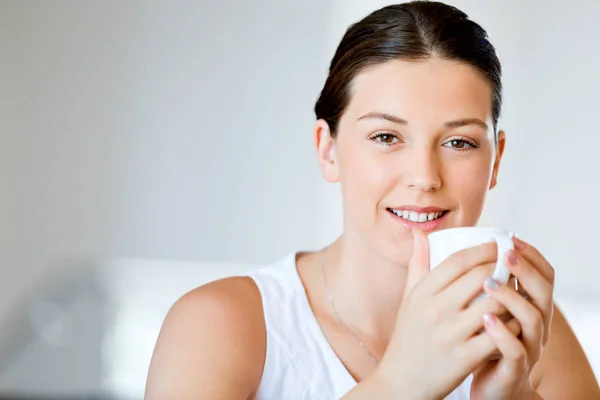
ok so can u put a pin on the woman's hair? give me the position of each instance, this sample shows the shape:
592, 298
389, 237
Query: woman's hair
412, 31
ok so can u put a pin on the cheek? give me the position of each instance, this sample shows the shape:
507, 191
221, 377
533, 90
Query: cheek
469, 184
365, 178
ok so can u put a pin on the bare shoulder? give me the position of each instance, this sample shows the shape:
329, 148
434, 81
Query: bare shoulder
212, 344
563, 371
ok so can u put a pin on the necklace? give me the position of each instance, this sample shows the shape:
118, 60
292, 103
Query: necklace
330, 297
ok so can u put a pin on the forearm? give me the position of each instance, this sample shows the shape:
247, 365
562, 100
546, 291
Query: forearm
378, 386
373, 387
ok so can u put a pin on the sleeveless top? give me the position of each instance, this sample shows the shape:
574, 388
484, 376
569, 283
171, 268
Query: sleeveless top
300, 363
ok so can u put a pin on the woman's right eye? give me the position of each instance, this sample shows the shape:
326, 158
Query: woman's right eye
385, 138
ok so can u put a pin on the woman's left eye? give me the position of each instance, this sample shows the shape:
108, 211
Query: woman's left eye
460, 144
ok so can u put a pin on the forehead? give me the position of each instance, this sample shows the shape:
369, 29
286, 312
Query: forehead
430, 91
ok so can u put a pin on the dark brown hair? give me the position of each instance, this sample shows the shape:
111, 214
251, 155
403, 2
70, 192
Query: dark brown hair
412, 31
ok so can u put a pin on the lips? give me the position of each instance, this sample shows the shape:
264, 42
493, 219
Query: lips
424, 218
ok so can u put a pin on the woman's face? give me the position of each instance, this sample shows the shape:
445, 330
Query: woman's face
414, 148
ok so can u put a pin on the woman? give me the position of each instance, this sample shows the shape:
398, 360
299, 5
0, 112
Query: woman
407, 123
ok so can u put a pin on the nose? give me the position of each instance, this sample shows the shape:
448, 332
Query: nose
423, 172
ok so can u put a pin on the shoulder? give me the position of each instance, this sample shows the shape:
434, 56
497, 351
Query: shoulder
212, 343
551, 378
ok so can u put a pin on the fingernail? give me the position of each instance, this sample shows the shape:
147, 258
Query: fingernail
519, 244
490, 283
512, 257
490, 319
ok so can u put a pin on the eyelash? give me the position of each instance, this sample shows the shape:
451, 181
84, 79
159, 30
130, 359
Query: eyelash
472, 145
382, 134
469, 142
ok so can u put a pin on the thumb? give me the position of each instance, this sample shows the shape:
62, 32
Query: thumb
418, 266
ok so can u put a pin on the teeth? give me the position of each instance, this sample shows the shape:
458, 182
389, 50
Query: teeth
414, 216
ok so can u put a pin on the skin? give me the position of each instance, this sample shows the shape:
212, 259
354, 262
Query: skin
443, 153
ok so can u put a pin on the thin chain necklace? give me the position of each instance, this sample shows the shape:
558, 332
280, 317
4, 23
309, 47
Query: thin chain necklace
330, 297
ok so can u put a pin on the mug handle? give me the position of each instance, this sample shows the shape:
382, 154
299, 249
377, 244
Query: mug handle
505, 243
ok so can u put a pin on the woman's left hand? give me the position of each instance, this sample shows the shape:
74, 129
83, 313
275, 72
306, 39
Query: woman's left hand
509, 376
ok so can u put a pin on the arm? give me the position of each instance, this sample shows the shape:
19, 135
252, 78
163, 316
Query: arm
563, 371
378, 386
212, 344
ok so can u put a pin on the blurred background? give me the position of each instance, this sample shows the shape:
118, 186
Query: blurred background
147, 147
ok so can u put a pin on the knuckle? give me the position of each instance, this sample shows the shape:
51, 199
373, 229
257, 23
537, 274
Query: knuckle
498, 308
461, 354
521, 355
493, 306
425, 310
536, 322
516, 328
435, 315
443, 339
477, 275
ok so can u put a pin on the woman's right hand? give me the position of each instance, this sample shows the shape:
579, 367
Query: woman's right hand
436, 342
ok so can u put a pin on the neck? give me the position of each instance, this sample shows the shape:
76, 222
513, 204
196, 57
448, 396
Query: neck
366, 287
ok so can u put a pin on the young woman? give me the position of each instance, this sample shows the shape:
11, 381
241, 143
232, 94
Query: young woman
407, 123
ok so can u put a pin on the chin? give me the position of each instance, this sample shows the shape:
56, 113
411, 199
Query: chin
397, 252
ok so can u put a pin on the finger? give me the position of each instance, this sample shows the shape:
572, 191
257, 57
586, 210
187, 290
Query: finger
459, 263
418, 266
530, 318
468, 322
514, 354
466, 288
539, 290
530, 279
483, 347
536, 259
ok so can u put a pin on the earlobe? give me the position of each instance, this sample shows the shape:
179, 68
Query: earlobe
326, 151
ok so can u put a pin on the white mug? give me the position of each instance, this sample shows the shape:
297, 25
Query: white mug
445, 242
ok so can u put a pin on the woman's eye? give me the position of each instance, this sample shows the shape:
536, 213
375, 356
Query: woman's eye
385, 138
460, 144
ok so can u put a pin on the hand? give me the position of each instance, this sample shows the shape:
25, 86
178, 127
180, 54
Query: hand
435, 344
509, 377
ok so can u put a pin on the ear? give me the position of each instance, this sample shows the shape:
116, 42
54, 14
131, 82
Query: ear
326, 152
499, 152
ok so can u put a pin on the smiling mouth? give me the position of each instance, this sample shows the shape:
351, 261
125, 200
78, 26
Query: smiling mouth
414, 216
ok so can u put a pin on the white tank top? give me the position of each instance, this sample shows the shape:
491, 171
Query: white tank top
300, 364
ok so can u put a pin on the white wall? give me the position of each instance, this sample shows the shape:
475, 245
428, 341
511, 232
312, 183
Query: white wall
157, 129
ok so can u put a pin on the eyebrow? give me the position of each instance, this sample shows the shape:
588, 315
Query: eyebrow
466, 121
387, 117
401, 121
